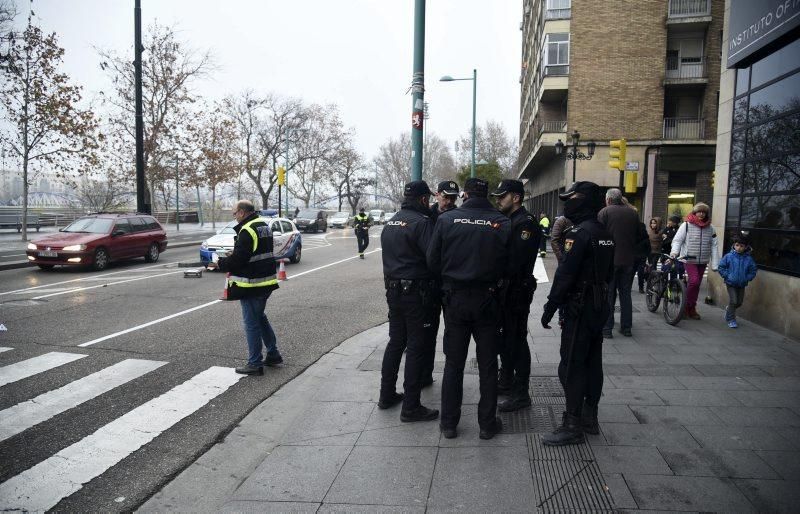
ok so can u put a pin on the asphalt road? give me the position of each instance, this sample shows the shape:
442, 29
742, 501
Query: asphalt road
330, 296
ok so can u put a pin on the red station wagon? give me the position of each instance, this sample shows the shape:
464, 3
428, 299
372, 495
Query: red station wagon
98, 239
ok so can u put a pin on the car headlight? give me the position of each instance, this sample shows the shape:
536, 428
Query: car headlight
204, 245
74, 248
31, 246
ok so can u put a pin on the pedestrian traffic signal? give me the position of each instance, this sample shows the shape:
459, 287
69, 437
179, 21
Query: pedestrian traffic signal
281, 176
618, 152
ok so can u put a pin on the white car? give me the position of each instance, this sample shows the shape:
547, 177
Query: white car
339, 219
287, 241
378, 216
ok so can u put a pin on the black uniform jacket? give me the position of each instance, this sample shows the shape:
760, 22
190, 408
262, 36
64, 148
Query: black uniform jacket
525, 237
361, 224
470, 244
584, 263
404, 241
242, 264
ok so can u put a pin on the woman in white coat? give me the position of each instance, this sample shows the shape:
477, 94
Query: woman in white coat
695, 243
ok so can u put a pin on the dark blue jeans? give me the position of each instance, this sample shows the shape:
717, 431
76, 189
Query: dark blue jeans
258, 330
622, 281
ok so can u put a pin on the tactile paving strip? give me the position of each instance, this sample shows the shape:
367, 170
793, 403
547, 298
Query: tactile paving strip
570, 486
536, 418
546, 386
548, 400
573, 452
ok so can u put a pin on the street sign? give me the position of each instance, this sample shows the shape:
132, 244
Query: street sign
632, 166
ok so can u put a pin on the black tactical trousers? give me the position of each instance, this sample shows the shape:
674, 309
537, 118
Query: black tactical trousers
469, 312
407, 332
434, 313
362, 236
516, 355
581, 366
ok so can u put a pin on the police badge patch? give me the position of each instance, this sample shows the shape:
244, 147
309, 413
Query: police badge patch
526, 234
568, 244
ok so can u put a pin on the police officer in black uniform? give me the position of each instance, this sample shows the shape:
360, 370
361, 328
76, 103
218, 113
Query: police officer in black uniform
361, 224
446, 196
469, 249
410, 288
515, 356
580, 286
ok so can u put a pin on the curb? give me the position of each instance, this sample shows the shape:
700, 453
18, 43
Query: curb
26, 264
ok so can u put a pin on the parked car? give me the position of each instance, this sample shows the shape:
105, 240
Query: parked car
378, 216
339, 220
309, 220
99, 239
287, 242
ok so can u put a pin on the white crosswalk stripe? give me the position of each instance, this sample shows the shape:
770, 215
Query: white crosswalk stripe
5, 349
36, 365
314, 241
24, 415
44, 485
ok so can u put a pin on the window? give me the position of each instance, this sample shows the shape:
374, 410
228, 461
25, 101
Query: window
764, 178
275, 226
123, 225
556, 54
137, 224
287, 227
152, 224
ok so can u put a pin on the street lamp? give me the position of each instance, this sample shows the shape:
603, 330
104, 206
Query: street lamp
575, 155
287, 132
474, 79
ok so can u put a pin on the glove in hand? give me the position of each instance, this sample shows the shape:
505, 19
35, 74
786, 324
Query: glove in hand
549, 310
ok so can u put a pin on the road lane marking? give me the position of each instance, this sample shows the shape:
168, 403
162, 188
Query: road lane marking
539, 272
330, 264
44, 485
145, 325
76, 280
4, 349
36, 365
13, 255
24, 415
77, 289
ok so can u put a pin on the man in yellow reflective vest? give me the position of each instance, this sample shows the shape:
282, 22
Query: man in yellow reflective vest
544, 224
362, 222
251, 281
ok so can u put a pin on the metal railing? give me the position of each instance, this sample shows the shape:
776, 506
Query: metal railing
553, 69
676, 69
552, 126
688, 8
684, 128
557, 14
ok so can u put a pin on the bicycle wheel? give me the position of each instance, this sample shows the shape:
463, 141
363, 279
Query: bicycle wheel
653, 291
674, 301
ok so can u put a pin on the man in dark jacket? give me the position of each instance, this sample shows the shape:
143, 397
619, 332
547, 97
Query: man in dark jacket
446, 196
623, 224
251, 280
515, 355
469, 249
409, 292
361, 223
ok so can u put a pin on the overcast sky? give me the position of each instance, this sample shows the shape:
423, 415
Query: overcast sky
355, 53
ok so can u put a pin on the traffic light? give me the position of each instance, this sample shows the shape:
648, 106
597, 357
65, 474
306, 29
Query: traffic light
618, 151
713, 177
281, 176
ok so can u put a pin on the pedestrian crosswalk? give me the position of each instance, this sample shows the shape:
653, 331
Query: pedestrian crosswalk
46, 483
314, 241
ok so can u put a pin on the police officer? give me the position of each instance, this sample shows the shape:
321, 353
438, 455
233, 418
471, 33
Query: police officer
469, 249
580, 286
544, 223
409, 290
251, 281
446, 196
515, 356
361, 224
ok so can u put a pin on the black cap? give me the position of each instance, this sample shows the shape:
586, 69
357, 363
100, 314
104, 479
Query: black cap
589, 190
447, 187
509, 186
361, 209
476, 186
416, 189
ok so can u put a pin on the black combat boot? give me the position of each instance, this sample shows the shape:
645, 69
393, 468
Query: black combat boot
569, 432
520, 397
505, 379
589, 421
390, 400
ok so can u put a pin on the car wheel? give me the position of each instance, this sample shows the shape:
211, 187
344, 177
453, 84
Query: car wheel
152, 253
46, 267
298, 253
100, 259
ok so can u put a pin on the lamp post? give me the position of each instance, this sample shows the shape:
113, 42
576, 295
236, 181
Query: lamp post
287, 132
574, 154
474, 79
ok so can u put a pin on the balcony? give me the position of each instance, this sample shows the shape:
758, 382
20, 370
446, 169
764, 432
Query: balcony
684, 128
689, 13
557, 14
685, 70
552, 126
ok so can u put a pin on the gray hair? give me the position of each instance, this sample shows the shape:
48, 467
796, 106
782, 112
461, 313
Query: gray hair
245, 205
614, 196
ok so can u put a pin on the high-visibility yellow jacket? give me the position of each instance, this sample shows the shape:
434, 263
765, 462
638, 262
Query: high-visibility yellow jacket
252, 264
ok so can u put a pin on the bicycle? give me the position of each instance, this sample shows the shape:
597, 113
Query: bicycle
668, 283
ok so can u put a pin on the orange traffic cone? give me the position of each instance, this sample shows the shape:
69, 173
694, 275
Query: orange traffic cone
225, 289
282, 271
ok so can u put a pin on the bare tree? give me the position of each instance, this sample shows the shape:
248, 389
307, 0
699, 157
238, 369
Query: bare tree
322, 137
394, 166
438, 162
492, 144
169, 68
8, 11
217, 163
45, 123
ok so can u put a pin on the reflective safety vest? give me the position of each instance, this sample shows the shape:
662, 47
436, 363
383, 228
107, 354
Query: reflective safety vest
258, 276
361, 222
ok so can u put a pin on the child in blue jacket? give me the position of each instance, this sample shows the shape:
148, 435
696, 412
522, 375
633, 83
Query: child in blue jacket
737, 268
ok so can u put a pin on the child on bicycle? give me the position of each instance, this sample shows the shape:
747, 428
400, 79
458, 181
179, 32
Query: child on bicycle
737, 268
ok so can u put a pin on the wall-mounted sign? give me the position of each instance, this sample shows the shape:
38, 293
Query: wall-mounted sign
632, 166
753, 24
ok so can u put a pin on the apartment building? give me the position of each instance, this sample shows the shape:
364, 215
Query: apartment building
647, 71
757, 187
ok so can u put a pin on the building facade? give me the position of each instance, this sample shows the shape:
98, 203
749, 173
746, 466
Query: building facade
646, 71
757, 186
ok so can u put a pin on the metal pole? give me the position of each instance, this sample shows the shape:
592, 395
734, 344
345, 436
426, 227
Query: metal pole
177, 199
474, 101
142, 204
286, 170
574, 158
418, 90
199, 205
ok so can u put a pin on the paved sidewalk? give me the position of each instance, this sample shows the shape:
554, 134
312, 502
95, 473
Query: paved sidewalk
697, 418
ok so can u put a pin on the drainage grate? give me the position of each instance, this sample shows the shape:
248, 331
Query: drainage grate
570, 486
537, 418
546, 386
